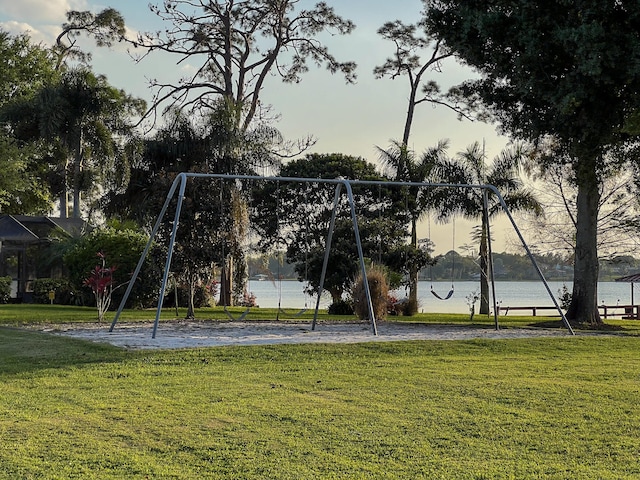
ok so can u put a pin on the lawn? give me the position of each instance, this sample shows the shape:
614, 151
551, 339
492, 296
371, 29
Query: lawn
34, 314
544, 408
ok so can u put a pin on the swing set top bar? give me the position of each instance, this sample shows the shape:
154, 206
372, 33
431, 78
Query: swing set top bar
334, 181
182, 178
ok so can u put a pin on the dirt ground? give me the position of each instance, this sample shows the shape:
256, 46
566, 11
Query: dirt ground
171, 335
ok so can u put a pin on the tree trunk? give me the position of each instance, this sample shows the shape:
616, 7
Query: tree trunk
412, 308
584, 299
64, 204
191, 313
410, 113
226, 286
77, 179
484, 271
64, 195
336, 295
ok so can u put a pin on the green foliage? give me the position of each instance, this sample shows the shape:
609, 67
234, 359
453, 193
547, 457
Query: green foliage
82, 120
25, 67
559, 71
294, 217
63, 291
105, 27
122, 249
5, 289
23, 188
340, 307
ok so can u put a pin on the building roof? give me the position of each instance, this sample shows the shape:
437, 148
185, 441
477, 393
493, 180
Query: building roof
28, 229
634, 278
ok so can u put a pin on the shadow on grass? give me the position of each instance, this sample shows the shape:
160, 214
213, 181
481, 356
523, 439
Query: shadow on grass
26, 351
603, 327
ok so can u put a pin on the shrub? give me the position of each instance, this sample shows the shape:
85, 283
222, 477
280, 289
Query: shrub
341, 307
564, 295
64, 293
5, 289
379, 290
101, 283
123, 249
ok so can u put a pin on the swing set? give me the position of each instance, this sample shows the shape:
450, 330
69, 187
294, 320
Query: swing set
179, 186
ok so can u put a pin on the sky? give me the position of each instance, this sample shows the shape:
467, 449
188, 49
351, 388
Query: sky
350, 119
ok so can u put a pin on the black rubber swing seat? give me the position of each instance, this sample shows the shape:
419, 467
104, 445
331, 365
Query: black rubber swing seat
447, 297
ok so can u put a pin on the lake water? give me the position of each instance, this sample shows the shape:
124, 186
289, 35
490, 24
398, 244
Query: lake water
508, 294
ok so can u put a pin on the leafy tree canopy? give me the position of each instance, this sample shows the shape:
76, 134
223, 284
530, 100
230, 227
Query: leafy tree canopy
294, 218
561, 68
25, 67
105, 27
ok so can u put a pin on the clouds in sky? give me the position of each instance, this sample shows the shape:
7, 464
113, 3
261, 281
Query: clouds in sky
40, 18
39, 11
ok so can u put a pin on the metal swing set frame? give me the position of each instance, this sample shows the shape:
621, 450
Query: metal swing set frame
180, 183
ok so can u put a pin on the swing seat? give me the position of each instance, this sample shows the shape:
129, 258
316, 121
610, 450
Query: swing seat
447, 297
294, 315
240, 318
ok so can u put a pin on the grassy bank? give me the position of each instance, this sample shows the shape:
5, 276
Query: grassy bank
547, 408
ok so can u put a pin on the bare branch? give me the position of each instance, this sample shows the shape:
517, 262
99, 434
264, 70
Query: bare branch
237, 45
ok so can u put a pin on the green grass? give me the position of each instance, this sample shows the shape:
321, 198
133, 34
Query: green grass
33, 314
544, 408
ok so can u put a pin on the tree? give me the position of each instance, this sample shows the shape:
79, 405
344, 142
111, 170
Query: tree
25, 69
236, 45
617, 210
23, 188
191, 146
470, 167
406, 61
105, 27
84, 119
295, 218
554, 69
213, 219
417, 201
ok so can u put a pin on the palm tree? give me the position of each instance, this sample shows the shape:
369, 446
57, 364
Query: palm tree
470, 167
406, 167
86, 118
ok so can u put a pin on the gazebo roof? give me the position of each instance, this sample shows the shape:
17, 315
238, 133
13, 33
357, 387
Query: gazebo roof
634, 278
